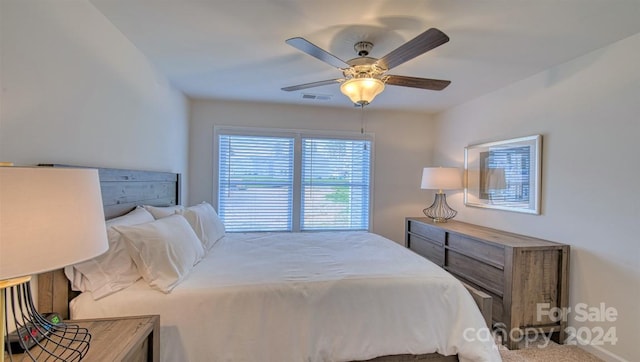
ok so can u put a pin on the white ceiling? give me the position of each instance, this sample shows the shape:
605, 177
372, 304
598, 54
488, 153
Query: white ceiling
235, 49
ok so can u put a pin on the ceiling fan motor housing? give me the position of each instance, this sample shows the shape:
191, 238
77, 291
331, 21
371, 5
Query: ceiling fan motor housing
363, 67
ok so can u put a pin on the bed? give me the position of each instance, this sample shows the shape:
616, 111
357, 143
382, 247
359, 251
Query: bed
321, 296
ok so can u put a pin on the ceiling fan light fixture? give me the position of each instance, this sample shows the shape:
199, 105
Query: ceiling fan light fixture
362, 91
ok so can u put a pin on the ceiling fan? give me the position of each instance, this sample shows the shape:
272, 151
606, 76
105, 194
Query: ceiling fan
364, 76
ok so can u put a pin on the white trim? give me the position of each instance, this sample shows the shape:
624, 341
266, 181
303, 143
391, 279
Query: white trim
262, 131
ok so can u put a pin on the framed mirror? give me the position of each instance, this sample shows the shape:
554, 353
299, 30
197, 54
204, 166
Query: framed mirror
504, 175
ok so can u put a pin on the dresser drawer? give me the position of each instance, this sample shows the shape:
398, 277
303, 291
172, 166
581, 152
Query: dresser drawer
428, 249
481, 274
479, 250
427, 232
497, 307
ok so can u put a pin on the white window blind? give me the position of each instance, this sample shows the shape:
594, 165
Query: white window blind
255, 182
292, 181
335, 184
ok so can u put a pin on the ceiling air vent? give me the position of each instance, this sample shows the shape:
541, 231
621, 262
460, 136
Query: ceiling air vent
317, 97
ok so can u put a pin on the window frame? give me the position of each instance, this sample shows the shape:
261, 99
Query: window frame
298, 135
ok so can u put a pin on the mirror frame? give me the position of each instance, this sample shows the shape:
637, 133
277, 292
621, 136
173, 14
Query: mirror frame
504, 175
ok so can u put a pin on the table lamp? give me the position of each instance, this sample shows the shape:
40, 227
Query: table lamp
49, 218
441, 178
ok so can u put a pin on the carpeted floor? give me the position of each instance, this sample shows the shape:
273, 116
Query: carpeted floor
552, 352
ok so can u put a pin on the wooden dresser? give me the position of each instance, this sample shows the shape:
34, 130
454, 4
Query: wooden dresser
518, 271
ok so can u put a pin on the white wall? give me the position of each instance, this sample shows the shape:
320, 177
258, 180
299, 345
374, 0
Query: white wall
403, 145
76, 91
587, 111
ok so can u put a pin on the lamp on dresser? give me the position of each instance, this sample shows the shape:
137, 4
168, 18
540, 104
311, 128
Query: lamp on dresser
49, 218
441, 178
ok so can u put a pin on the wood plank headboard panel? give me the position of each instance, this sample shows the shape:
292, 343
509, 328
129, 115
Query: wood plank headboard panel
122, 190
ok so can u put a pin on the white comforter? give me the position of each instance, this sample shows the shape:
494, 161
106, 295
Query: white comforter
306, 297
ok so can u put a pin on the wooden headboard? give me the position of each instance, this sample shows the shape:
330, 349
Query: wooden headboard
122, 190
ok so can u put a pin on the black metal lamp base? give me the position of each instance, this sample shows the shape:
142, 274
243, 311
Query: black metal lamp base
40, 338
439, 211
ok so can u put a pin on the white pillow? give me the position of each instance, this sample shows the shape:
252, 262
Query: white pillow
113, 270
164, 250
205, 222
159, 212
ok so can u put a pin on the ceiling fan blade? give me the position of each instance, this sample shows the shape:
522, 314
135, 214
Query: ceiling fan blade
316, 52
311, 85
422, 83
421, 44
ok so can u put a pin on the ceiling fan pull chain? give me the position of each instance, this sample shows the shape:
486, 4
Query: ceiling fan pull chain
362, 122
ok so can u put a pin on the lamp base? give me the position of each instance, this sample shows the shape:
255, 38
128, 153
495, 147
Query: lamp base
37, 337
439, 211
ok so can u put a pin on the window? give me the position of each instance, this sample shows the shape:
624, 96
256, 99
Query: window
335, 184
255, 189
292, 181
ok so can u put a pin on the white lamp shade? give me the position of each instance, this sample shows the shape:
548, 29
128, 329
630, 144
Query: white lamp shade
49, 218
362, 90
441, 178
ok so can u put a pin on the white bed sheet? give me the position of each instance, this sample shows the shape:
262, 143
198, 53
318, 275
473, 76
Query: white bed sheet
329, 296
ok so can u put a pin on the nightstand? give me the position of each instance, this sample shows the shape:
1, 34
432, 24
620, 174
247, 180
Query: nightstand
130, 339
